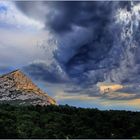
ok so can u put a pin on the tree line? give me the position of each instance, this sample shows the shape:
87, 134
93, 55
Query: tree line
66, 122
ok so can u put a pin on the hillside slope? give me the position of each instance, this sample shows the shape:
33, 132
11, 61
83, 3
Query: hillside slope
17, 88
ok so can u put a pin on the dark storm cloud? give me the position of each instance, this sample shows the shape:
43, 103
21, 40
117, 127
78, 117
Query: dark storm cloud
62, 16
40, 71
65, 17
92, 45
85, 14
96, 17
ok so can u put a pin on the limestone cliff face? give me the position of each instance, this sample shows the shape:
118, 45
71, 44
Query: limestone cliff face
17, 88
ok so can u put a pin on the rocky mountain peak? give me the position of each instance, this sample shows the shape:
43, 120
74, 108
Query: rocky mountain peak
20, 80
16, 87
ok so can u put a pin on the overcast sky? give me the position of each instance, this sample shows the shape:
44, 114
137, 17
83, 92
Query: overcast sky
68, 48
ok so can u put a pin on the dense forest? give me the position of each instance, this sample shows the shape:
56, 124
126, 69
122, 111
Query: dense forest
66, 122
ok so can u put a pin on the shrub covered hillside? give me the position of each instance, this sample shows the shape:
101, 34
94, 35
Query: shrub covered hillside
66, 122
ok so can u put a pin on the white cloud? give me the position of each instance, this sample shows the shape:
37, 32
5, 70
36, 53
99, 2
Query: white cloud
20, 48
20, 37
11, 16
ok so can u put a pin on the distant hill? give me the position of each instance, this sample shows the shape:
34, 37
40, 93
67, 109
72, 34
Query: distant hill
17, 88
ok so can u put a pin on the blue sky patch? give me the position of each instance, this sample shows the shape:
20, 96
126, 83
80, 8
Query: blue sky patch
3, 8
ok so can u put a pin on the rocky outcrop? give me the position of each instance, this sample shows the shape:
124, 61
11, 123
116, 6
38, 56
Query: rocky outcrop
17, 88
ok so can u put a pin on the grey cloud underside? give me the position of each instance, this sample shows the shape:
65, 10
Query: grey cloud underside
40, 71
92, 46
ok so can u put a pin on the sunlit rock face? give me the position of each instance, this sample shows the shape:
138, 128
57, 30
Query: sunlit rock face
17, 88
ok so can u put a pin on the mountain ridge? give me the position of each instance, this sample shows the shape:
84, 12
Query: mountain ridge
16, 86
